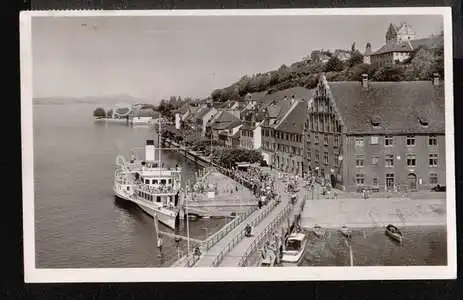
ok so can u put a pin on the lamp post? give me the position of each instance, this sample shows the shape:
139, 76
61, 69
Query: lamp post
318, 191
398, 180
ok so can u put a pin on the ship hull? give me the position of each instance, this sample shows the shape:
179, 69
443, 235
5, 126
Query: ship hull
164, 218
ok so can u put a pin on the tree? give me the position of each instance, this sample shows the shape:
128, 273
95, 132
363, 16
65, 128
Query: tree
355, 73
422, 64
99, 113
334, 65
355, 59
216, 94
390, 73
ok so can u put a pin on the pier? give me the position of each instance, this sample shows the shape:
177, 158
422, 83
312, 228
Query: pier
229, 247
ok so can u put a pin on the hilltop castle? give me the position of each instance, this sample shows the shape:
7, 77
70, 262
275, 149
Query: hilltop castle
400, 43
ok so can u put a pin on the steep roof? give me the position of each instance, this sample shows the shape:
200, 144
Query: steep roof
294, 119
397, 106
225, 119
202, 112
395, 47
256, 96
412, 45
299, 92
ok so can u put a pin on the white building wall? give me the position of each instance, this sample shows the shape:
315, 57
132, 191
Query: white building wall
257, 133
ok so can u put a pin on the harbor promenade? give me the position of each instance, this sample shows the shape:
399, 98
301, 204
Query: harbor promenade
234, 248
277, 219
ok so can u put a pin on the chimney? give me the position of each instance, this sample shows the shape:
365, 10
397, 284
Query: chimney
435, 79
149, 150
365, 81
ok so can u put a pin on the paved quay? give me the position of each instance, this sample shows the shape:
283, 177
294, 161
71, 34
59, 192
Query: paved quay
373, 212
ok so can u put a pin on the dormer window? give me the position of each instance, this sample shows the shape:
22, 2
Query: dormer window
423, 121
375, 122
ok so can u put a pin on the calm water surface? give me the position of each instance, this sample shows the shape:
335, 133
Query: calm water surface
371, 247
79, 224
78, 221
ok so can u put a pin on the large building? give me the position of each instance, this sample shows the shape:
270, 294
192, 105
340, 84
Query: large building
378, 135
251, 117
400, 44
224, 127
283, 128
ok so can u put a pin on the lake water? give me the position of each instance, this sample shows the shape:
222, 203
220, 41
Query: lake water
79, 224
371, 247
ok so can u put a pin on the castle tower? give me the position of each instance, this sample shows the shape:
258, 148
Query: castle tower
367, 54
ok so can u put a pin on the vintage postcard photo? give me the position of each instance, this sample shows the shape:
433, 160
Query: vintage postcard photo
238, 145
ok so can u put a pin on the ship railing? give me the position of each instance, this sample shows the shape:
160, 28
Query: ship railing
154, 190
240, 235
264, 236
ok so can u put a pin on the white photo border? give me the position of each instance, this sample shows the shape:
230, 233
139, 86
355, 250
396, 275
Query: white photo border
40, 275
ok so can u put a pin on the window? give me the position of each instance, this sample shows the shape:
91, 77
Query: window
325, 158
375, 181
389, 160
316, 139
410, 140
309, 154
374, 160
336, 141
390, 181
359, 141
433, 178
336, 158
317, 155
388, 141
432, 140
374, 140
411, 160
359, 179
325, 140
359, 161
433, 160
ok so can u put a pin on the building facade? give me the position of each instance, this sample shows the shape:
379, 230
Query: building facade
400, 44
283, 128
355, 140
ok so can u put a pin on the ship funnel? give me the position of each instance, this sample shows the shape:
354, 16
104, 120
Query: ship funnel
149, 150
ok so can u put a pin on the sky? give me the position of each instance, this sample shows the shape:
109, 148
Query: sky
157, 57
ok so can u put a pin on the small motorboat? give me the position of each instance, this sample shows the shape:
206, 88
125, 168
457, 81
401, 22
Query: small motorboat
345, 231
318, 231
268, 258
394, 233
294, 249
